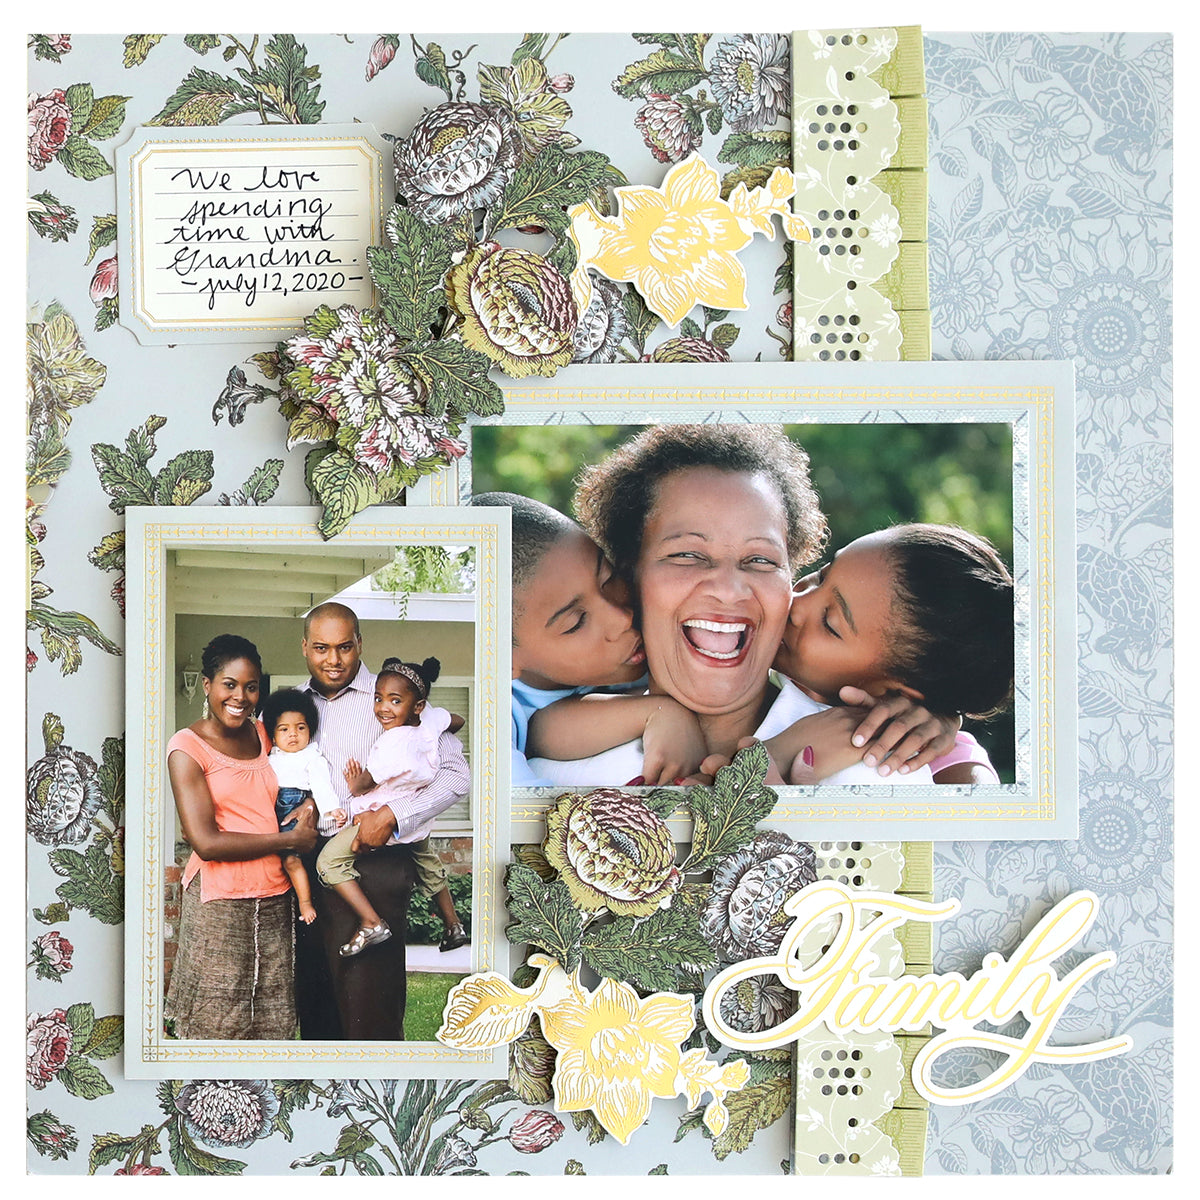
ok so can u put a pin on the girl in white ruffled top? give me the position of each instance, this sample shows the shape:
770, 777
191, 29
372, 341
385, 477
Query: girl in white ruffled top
402, 761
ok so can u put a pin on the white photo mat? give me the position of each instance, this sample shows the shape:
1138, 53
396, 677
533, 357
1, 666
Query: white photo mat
1036, 400
151, 533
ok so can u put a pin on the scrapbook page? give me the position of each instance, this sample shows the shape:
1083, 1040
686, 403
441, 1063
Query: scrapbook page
599, 604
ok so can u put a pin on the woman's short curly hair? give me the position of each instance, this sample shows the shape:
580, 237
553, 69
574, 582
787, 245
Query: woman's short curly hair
614, 497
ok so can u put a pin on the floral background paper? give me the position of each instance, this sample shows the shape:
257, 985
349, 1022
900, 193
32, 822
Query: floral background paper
1050, 184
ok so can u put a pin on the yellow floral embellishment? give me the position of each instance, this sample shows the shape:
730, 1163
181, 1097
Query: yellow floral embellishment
616, 1051
677, 244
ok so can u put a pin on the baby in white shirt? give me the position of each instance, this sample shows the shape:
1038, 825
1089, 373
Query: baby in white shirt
302, 771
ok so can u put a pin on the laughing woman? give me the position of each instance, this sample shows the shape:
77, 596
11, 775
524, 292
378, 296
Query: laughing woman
234, 974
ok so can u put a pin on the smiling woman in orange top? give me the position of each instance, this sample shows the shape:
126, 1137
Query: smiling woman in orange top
234, 975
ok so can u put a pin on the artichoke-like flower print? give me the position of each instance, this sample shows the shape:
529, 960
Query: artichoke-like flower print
612, 852
62, 792
744, 917
515, 307
458, 158
228, 1112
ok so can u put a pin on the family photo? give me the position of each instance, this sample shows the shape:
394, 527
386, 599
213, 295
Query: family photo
319, 770
843, 593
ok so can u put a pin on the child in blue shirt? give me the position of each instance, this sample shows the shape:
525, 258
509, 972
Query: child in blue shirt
573, 633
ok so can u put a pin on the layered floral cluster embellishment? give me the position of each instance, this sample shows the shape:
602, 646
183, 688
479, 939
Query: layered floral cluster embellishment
604, 899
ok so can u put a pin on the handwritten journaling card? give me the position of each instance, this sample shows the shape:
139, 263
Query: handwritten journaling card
239, 238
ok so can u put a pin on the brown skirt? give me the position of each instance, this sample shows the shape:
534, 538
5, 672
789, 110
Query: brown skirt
234, 974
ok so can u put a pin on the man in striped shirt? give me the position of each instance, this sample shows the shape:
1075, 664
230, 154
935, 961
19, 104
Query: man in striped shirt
361, 998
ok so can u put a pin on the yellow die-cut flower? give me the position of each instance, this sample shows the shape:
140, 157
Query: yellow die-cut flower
677, 244
616, 1051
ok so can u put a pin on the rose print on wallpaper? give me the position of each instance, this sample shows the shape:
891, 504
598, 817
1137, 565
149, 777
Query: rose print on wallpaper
50, 46
63, 124
61, 1044
50, 218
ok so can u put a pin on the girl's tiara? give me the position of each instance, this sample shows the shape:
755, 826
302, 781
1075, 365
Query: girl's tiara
393, 666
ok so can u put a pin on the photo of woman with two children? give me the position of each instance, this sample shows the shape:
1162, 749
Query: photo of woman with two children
842, 593
325, 787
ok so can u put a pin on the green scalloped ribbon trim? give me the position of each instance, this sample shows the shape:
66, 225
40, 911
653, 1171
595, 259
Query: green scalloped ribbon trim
860, 144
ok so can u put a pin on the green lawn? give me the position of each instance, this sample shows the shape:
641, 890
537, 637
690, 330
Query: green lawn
426, 999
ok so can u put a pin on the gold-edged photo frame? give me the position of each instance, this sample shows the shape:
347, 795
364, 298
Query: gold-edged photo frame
1033, 399
287, 539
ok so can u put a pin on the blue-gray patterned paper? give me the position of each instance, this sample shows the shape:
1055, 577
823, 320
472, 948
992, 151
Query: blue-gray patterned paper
1050, 237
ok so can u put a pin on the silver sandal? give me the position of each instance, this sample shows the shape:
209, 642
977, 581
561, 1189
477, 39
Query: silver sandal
371, 935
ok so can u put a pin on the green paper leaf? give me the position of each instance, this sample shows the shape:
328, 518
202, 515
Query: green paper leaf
124, 479
104, 233
107, 314
52, 732
456, 378
759, 148
724, 336
263, 482
540, 191
109, 555
108, 1147
543, 915
80, 99
342, 487
689, 328
91, 883
408, 273
724, 816
106, 119
202, 43
586, 1121
430, 67
81, 159
642, 322
81, 1017
106, 1037
284, 81
185, 478
137, 46
52, 914
650, 952
205, 98
82, 1078
532, 46
714, 120
310, 425
751, 1109
190, 1159
61, 632
111, 777
664, 71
